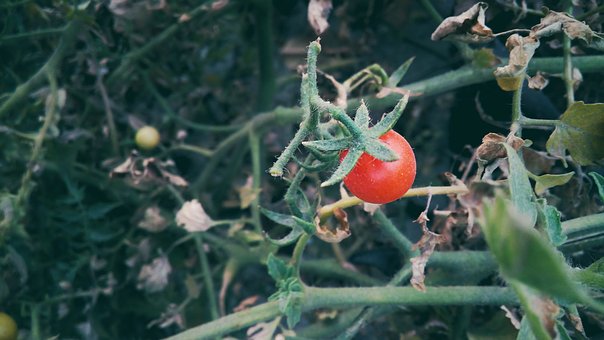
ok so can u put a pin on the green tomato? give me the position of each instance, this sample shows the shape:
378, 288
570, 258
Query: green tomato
147, 137
8, 327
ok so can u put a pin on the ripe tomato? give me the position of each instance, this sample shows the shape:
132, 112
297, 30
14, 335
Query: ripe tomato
147, 137
8, 327
379, 182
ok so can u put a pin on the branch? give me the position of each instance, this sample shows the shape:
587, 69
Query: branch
355, 297
50, 67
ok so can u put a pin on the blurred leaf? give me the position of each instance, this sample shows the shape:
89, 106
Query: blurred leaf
581, 132
497, 328
544, 182
99, 210
599, 180
278, 269
524, 256
318, 12
556, 22
288, 239
520, 186
549, 219
193, 217
399, 73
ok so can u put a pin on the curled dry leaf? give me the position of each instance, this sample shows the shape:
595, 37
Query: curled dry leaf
426, 246
246, 303
318, 12
511, 76
153, 221
247, 193
341, 232
146, 171
538, 82
511, 316
154, 277
555, 22
492, 148
193, 218
468, 26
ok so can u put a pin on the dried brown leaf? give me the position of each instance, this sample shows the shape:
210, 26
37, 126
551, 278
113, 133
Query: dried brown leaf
512, 317
511, 76
246, 303
154, 277
492, 147
341, 232
468, 26
426, 245
153, 221
318, 12
193, 217
555, 22
247, 193
538, 82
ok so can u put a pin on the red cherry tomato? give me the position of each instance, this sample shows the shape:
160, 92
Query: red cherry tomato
379, 182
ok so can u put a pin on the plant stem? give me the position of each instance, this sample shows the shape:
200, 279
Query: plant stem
327, 210
196, 149
254, 141
517, 109
568, 64
316, 298
23, 90
32, 34
395, 236
532, 122
298, 250
464, 49
590, 13
207, 276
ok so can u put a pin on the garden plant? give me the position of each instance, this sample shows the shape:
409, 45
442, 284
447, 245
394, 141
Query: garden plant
168, 174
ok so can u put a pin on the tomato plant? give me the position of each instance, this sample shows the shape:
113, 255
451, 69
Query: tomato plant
375, 181
147, 137
8, 327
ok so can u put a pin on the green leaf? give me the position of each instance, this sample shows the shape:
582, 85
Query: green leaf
345, 167
379, 150
329, 145
282, 219
549, 220
399, 73
278, 269
520, 186
581, 132
290, 238
361, 118
387, 123
524, 256
547, 181
599, 180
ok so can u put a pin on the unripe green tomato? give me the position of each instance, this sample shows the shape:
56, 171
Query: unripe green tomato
147, 137
8, 327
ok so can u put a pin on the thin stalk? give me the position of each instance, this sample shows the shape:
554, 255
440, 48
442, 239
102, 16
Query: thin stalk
532, 122
464, 49
207, 276
257, 167
298, 251
109, 114
196, 149
517, 109
568, 65
316, 298
52, 65
32, 34
395, 236
36, 330
327, 210
590, 13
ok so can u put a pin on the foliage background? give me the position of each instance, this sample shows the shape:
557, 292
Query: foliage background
72, 246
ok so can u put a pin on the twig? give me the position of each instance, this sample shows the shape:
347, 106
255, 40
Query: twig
347, 202
52, 65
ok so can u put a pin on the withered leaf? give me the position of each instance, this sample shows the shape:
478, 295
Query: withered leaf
538, 82
341, 232
555, 22
342, 97
153, 221
468, 26
193, 218
511, 76
426, 246
492, 148
318, 12
247, 193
